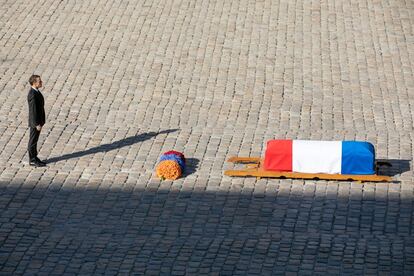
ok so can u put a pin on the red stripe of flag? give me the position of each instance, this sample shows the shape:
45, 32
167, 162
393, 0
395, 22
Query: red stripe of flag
278, 156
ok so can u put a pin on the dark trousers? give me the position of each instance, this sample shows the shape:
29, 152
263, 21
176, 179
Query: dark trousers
32, 147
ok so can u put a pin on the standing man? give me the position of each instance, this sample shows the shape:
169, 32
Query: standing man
37, 119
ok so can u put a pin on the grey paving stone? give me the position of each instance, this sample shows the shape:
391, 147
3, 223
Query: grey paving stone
127, 80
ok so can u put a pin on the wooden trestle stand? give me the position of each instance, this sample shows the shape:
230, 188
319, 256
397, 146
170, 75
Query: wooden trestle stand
253, 167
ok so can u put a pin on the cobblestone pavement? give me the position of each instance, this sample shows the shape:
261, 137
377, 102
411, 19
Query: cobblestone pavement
128, 80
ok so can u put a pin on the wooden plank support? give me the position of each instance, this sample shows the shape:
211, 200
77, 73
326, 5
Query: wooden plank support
244, 160
259, 172
315, 176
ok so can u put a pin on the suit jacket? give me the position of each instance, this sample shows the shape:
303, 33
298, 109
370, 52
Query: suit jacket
36, 108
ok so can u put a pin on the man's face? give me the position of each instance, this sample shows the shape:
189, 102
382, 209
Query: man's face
38, 83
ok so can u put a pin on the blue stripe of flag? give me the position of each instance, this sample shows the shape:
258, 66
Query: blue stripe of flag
357, 158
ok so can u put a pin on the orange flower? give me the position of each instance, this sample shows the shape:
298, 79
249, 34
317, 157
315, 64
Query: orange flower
168, 169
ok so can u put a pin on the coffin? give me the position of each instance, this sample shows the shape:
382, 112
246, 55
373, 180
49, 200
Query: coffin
331, 157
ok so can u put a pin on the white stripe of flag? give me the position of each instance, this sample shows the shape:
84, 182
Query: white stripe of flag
316, 156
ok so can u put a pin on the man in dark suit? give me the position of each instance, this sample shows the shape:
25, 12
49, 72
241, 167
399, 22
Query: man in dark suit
37, 118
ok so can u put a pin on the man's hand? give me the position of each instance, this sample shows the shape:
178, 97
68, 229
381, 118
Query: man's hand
39, 128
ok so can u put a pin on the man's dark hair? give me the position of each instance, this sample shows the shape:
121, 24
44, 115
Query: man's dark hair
33, 79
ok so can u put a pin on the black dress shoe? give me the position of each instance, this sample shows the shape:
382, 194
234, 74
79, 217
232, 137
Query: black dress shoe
40, 161
36, 163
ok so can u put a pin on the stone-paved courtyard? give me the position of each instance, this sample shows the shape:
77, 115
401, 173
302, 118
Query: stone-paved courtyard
127, 80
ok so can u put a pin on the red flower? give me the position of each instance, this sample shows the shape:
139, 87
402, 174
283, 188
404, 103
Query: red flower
176, 153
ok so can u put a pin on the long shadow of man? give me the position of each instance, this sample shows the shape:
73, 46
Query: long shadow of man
111, 146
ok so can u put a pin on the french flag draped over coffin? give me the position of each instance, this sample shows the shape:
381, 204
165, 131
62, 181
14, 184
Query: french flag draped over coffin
333, 157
